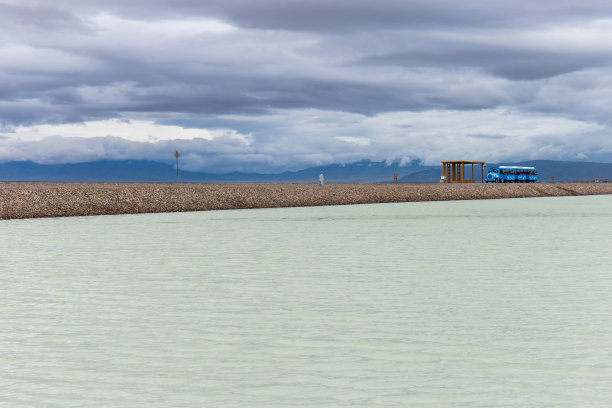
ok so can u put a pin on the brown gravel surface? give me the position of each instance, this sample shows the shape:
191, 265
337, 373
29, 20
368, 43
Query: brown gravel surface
33, 200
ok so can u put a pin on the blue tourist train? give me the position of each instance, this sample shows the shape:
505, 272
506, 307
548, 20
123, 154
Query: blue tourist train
512, 174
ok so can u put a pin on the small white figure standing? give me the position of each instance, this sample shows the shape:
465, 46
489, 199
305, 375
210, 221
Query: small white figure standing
321, 179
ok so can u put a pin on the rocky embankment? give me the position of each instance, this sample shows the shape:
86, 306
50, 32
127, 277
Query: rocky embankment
33, 200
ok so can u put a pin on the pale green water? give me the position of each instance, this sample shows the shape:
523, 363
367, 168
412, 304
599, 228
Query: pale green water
504, 303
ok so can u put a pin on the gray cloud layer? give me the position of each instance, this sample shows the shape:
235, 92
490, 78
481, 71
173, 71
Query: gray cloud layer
341, 65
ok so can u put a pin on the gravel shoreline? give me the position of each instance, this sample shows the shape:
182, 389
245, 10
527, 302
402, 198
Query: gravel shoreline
41, 199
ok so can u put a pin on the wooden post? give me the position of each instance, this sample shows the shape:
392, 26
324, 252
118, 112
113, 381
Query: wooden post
177, 155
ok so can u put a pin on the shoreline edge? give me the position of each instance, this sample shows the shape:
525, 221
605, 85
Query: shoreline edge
20, 200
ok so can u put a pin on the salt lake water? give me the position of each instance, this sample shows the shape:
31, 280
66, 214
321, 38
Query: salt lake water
492, 303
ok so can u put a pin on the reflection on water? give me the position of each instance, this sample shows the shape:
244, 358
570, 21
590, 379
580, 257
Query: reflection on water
475, 303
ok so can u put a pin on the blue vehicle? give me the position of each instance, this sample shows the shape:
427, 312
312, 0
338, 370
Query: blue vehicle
512, 174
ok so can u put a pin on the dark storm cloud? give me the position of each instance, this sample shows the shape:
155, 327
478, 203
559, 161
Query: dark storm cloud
359, 14
208, 62
511, 63
221, 74
339, 15
37, 16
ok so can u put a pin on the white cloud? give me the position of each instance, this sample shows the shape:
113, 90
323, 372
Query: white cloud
163, 28
301, 138
360, 141
132, 130
490, 135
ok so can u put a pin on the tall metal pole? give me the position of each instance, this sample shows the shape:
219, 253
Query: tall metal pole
177, 155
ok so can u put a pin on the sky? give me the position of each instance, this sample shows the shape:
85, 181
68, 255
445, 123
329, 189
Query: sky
273, 85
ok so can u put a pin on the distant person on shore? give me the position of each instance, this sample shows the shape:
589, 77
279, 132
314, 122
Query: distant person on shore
321, 179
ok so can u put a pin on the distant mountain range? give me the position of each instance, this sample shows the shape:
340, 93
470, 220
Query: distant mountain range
358, 172
150, 171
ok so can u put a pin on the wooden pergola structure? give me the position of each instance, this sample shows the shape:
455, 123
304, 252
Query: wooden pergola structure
454, 171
